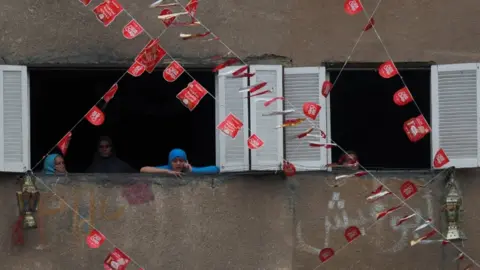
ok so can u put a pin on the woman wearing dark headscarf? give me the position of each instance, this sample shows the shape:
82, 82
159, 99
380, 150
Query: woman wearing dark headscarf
105, 160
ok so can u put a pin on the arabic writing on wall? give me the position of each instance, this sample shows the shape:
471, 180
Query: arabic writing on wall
95, 209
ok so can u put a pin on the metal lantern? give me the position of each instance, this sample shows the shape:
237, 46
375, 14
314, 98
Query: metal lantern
28, 199
453, 207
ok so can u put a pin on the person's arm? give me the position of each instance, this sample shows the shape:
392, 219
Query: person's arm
149, 169
206, 170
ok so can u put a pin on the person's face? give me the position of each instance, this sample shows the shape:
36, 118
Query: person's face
105, 149
59, 165
178, 164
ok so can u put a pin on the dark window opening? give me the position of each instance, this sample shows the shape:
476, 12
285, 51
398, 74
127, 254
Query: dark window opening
145, 119
365, 119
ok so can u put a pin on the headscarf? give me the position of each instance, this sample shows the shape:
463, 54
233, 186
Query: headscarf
110, 164
49, 164
176, 153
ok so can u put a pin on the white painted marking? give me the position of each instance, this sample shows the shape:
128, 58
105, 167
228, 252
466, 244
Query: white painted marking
341, 204
335, 196
331, 204
345, 218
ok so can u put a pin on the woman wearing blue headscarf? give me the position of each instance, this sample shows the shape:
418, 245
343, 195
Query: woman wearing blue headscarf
178, 164
54, 164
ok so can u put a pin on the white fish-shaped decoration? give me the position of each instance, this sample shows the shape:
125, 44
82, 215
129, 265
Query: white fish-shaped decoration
379, 195
424, 225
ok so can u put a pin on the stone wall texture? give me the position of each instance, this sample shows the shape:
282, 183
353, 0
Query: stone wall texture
300, 33
234, 222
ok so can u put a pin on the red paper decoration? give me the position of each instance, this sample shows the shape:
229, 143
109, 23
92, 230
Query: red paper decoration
107, 11
116, 260
267, 103
95, 116
64, 143
352, 7
254, 142
225, 64
136, 69
408, 189
95, 239
85, 2
192, 95
325, 254
440, 159
230, 126
416, 128
387, 70
311, 110
132, 30
110, 93
151, 55
326, 88
289, 169
169, 21
173, 71
369, 25
402, 97
351, 233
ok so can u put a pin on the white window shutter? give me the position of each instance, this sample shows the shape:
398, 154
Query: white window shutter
270, 156
14, 119
232, 154
455, 100
303, 84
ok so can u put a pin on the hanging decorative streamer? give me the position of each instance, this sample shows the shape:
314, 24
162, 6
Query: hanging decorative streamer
369, 25
254, 142
305, 133
260, 93
64, 143
292, 122
285, 112
192, 36
386, 212
377, 196
426, 236
357, 174
252, 88
326, 88
405, 218
270, 101
424, 225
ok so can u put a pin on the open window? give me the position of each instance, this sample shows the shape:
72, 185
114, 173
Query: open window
232, 154
303, 84
14, 119
270, 156
455, 119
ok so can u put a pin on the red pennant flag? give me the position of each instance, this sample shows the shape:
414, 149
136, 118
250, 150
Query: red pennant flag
267, 103
107, 11
386, 212
116, 260
289, 169
192, 36
85, 2
440, 159
253, 88
132, 30
304, 134
260, 93
416, 128
191, 8
95, 239
387, 70
369, 25
151, 55
230, 126
136, 69
326, 254
64, 143
408, 189
352, 7
405, 218
254, 142
225, 64
173, 71
326, 88
351, 233
402, 97
110, 93
167, 22
311, 110
192, 95
95, 116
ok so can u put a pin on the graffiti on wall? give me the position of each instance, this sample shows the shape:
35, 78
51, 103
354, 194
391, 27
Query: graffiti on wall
84, 209
338, 219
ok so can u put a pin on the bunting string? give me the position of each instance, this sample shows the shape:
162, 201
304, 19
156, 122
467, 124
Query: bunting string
386, 70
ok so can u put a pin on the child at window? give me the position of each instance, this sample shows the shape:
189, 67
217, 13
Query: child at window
178, 165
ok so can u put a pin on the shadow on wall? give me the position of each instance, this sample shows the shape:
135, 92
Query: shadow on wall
222, 222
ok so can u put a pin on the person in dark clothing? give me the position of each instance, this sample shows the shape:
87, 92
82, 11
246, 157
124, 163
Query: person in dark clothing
105, 160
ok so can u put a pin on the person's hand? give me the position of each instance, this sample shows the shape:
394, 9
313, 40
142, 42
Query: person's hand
187, 167
175, 173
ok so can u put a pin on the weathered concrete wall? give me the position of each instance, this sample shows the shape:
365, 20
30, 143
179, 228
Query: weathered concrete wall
234, 222
303, 32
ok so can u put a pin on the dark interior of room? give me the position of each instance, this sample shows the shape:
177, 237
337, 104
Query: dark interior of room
145, 119
365, 119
